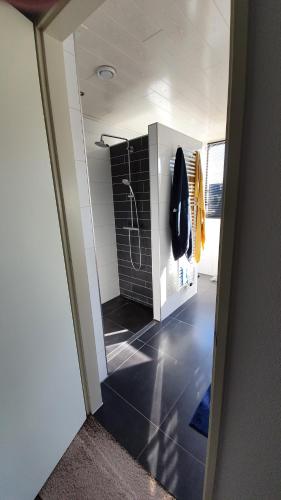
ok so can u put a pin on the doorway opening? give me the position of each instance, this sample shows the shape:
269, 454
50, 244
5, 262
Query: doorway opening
158, 373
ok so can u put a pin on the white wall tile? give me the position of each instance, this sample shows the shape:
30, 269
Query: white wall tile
164, 214
103, 214
96, 309
83, 183
105, 235
101, 193
153, 136
87, 226
210, 255
110, 291
168, 137
106, 254
164, 186
100, 169
108, 272
71, 81
77, 134
68, 44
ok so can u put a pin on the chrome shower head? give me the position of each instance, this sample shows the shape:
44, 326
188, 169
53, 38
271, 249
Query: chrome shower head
126, 182
101, 144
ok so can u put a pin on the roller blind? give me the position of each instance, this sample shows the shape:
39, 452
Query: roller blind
214, 179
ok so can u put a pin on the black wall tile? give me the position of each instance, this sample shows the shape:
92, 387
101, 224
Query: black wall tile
144, 141
120, 169
118, 160
146, 206
142, 290
118, 149
125, 269
136, 285
139, 155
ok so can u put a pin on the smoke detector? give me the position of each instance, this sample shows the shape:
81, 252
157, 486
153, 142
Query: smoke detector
105, 72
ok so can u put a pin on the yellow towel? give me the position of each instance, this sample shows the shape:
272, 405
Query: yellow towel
200, 208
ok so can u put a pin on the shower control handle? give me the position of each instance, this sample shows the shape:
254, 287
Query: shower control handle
130, 228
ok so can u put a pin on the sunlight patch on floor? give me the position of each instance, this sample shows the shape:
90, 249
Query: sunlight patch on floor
109, 334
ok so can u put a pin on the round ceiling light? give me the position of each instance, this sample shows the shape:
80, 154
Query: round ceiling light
105, 72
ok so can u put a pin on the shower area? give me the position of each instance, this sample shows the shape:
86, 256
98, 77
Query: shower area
120, 192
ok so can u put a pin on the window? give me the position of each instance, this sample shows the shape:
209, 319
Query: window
214, 179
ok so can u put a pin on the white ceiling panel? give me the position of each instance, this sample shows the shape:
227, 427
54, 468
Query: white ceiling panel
130, 16
171, 58
207, 19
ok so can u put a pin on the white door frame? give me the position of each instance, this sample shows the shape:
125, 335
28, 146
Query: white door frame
59, 27
234, 132
50, 34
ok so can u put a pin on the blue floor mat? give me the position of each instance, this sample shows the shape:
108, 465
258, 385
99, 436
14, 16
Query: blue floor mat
200, 419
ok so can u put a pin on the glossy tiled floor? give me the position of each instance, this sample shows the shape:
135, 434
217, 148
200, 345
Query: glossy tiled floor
122, 320
155, 387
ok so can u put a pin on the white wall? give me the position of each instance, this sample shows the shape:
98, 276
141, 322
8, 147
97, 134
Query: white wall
103, 216
249, 448
210, 255
42, 404
163, 143
84, 196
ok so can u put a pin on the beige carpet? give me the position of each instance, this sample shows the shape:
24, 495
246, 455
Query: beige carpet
96, 467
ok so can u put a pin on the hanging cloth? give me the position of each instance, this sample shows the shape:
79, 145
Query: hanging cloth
180, 218
200, 208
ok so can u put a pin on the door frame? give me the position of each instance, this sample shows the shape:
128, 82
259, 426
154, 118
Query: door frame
233, 148
50, 32
59, 25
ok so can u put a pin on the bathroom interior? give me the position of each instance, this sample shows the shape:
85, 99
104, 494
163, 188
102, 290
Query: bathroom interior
139, 104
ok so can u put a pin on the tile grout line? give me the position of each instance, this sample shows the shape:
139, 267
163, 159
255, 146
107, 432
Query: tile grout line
135, 336
156, 427
114, 310
130, 404
177, 444
138, 338
119, 351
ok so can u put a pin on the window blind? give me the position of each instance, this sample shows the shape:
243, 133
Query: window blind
214, 179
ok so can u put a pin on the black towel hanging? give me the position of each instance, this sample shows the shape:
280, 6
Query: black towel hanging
179, 209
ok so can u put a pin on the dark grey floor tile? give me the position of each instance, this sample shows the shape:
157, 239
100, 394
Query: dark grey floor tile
132, 316
113, 304
153, 330
109, 349
116, 359
204, 283
185, 343
179, 472
176, 425
124, 423
110, 326
115, 334
200, 312
206, 295
176, 313
152, 381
